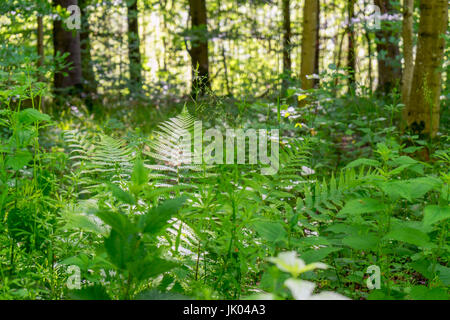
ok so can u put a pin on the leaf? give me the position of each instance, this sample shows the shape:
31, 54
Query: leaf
121, 195
301, 97
32, 115
422, 267
150, 267
156, 219
306, 242
318, 254
118, 221
360, 206
410, 189
19, 160
363, 242
421, 186
409, 235
443, 274
95, 292
405, 160
84, 222
363, 161
425, 293
433, 214
123, 250
140, 173
270, 231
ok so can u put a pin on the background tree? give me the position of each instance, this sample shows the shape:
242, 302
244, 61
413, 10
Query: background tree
67, 42
40, 44
287, 34
134, 54
317, 59
351, 54
309, 47
424, 106
388, 52
89, 82
199, 46
408, 45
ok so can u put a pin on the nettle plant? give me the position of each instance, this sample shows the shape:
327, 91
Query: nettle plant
298, 289
26, 168
129, 254
30, 165
396, 218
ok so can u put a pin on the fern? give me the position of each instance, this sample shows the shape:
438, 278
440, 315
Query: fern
98, 159
321, 199
170, 157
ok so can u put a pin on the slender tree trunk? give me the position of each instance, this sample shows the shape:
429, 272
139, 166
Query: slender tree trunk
199, 47
369, 50
408, 55
351, 55
317, 58
40, 44
388, 51
40, 52
423, 107
287, 34
89, 84
369, 54
134, 54
310, 26
67, 41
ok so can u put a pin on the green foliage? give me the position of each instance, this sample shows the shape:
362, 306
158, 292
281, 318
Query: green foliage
114, 193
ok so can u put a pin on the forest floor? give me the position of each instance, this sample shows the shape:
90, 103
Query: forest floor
105, 206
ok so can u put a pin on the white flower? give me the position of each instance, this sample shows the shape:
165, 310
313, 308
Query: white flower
307, 171
288, 262
302, 290
312, 76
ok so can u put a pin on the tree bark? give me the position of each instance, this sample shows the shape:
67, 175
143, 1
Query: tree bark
67, 41
351, 55
40, 44
40, 52
287, 34
407, 34
317, 58
388, 51
134, 54
309, 46
89, 82
199, 47
423, 107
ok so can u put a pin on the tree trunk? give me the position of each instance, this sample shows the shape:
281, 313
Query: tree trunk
287, 34
423, 107
351, 55
40, 52
199, 47
134, 54
67, 41
40, 45
388, 52
317, 58
310, 26
408, 9
89, 84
